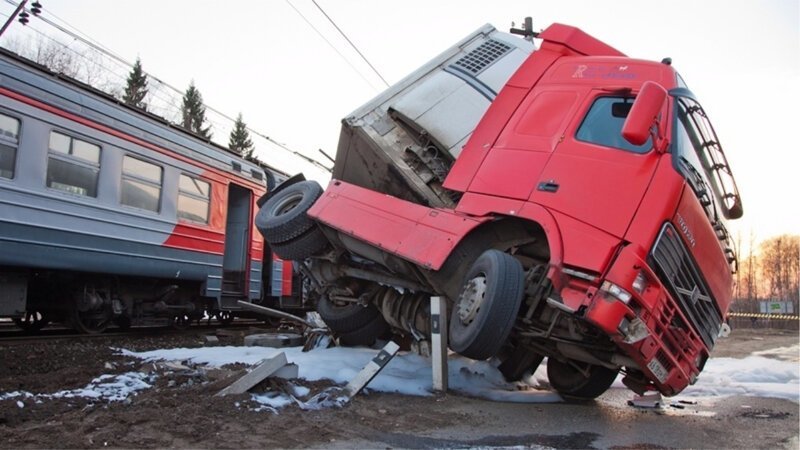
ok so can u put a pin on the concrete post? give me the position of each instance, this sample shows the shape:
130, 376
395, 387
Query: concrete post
439, 344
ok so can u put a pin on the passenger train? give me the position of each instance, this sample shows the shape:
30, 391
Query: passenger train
111, 215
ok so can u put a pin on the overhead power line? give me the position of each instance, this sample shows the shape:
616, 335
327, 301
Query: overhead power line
350, 42
319, 33
88, 41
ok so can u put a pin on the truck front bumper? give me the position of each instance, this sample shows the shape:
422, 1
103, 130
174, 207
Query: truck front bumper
640, 315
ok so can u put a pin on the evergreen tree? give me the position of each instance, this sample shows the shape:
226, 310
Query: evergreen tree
193, 112
240, 141
136, 87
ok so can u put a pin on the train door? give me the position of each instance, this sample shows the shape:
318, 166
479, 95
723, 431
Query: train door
237, 244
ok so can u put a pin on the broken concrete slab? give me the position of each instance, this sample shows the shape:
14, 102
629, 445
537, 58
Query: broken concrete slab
288, 372
264, 369
372, 369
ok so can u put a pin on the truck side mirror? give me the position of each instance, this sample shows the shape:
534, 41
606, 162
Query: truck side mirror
644, 113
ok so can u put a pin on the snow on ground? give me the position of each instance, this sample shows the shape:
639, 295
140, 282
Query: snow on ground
757, 375
405, 374
111, 388
754, 376
783, 353
410, 374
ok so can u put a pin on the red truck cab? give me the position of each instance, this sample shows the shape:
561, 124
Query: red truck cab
588, 228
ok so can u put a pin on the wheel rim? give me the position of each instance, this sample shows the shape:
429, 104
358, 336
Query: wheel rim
91, 322
91, 313
471, 299
286, 205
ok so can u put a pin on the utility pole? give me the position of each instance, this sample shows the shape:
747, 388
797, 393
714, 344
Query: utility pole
36, 9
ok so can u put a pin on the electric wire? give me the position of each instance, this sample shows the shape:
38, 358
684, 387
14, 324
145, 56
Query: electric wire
88, 41
350, 42
170, 101
319, 33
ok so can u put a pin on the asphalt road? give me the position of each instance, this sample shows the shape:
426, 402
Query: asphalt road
732, 422
608, 422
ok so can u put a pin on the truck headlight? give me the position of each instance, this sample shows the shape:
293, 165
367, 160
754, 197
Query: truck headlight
640, 283
616, 292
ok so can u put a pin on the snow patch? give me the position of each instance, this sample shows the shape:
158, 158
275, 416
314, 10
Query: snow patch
407, 373
754, 376
111, 388
783, 353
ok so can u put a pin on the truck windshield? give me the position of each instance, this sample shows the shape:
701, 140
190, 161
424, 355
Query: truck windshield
603, 125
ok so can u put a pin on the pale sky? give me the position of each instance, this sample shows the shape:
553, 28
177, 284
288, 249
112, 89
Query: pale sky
260, 58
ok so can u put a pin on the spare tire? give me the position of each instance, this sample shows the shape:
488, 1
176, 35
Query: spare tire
283, 217
311, 243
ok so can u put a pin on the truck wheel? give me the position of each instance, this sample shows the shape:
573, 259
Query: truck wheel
305, 246
487, 307
283, 217
521, 360
573, 383
346, 318
366, 335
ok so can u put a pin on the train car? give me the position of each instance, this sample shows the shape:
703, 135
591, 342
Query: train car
110, 215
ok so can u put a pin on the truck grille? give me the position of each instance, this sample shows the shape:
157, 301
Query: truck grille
678, 272
475, 61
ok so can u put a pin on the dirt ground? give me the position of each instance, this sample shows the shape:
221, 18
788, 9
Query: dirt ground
181, 411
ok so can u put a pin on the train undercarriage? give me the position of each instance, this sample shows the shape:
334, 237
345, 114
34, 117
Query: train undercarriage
91, 303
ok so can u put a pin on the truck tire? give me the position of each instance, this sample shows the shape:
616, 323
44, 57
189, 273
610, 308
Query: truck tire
487, 306
519, 363
366, 335
346, 318
305, 246
572, 383
283, 217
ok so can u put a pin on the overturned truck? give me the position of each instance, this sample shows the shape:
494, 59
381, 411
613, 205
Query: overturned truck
566, 200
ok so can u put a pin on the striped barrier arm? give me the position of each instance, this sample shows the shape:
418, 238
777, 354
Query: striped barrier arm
764, 316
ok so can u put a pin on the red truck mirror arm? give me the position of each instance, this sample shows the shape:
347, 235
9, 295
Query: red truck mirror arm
644, 114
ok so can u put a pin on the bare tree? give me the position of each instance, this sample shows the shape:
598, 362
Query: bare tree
58, 58
749, 276
83, 65
780, 264
737, 292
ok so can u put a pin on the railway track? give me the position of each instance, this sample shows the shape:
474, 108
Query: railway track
10, 334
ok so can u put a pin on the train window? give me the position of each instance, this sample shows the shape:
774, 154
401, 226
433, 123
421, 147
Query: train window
194, 196
9, 140
141, 184
73, 165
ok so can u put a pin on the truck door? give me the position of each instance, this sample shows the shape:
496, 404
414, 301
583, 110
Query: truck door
237, 243
595, 175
